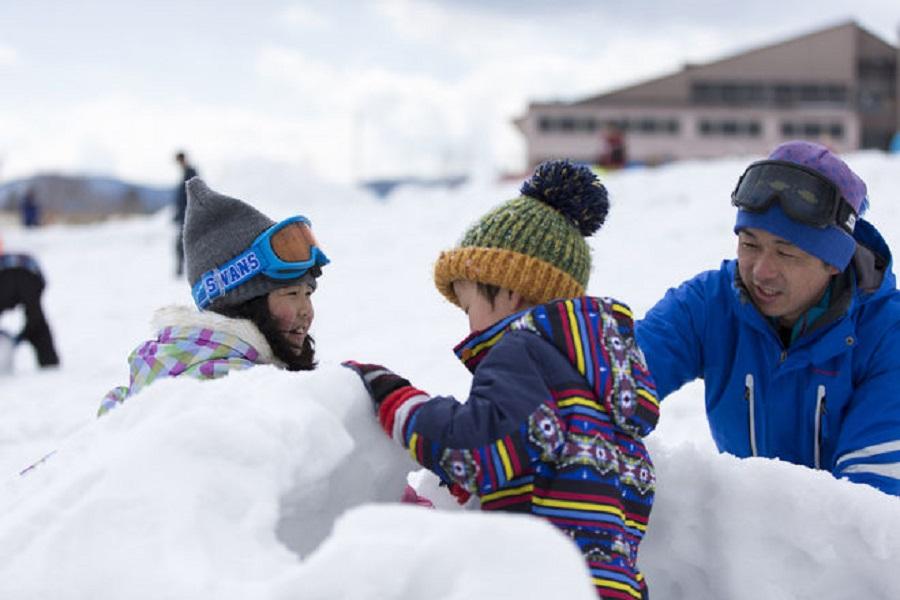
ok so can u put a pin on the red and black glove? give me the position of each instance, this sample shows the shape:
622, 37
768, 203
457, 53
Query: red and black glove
380, 381
389, 392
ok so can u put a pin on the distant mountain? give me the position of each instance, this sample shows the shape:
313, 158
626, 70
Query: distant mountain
384, 187
81, 196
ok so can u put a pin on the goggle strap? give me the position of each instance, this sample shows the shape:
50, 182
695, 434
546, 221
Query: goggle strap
219, 281
259, 258
846, 216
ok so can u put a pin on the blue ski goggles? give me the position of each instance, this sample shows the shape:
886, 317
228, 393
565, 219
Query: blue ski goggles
285, 250
803, 194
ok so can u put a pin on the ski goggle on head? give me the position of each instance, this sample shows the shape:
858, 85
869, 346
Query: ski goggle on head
803, 194
286, 250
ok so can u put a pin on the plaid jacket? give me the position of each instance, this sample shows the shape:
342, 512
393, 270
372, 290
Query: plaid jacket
200, 344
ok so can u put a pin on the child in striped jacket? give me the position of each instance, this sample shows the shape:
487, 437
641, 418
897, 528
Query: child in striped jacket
561, 396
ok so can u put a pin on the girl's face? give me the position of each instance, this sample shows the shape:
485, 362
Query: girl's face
292, 309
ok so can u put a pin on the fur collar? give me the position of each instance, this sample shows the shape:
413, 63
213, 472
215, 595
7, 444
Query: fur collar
187, 316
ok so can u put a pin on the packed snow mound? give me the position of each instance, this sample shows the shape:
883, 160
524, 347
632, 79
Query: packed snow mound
197, 488
396, 552
724, 527
250, 486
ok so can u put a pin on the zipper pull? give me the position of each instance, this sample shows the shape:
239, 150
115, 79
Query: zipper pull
751, 412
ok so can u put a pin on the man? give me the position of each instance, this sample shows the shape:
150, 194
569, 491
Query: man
187, 172
21, 284
798, 340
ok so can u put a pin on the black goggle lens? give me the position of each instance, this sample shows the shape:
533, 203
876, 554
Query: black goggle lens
803, 196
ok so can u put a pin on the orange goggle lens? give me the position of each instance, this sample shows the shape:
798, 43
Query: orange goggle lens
293, 243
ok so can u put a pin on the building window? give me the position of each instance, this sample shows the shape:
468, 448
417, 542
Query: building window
566, 124
729, 128
812, 129
773, 93
877, 67
590, 125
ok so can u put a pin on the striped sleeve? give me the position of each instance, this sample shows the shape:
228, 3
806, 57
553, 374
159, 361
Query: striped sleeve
867, 448
482, 444
877, 465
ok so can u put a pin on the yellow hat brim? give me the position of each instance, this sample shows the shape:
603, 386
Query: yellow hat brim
537, 281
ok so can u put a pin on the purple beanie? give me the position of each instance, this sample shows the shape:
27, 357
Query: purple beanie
831, 244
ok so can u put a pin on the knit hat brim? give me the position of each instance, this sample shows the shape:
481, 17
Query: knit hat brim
537, 281
831, 244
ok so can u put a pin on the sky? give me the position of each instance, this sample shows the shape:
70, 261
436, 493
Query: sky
346, 90
272, 485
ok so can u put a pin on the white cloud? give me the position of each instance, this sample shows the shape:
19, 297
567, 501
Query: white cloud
326, 96
9, 57
306, 17
390, 122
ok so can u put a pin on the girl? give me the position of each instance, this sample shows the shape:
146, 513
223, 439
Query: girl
252, 281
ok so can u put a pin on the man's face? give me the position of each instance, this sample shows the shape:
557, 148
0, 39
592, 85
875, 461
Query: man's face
783, 280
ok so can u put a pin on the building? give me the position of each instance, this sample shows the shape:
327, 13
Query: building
838, 85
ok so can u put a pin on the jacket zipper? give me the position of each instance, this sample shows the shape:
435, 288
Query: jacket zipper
748, 395
820, 414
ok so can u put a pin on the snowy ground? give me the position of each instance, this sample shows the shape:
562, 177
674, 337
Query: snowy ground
269, 484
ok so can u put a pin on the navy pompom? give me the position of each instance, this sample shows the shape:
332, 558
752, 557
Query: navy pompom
571, 189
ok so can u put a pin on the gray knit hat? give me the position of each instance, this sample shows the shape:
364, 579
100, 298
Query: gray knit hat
218, 228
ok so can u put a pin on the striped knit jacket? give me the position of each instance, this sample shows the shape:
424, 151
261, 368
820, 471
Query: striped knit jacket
560, 400
200, 344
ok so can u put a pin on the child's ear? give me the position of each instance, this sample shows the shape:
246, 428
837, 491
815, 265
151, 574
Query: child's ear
517, 300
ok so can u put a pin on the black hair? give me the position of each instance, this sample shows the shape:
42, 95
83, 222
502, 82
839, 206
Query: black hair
488, 291
257, 311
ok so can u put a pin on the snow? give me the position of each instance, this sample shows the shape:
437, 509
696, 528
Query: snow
269, 484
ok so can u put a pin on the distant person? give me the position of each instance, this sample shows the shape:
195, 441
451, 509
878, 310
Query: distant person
252, 281
22, 284
613, 153
187, 173
30, 209
560, 398
797, 341
894, 147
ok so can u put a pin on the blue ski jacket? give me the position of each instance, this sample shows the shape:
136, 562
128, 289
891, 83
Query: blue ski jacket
830, 400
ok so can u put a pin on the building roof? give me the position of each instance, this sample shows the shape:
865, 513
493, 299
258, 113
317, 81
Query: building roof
812, 54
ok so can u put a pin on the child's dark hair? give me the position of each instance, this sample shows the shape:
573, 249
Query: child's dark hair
488, 291
257, 311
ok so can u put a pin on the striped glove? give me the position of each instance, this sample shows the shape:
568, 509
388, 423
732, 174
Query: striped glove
395, 399
380, 382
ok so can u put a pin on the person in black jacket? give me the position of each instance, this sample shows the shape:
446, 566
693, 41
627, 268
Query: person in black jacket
187, 172
21, 284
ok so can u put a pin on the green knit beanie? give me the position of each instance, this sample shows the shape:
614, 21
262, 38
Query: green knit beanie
533, 244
